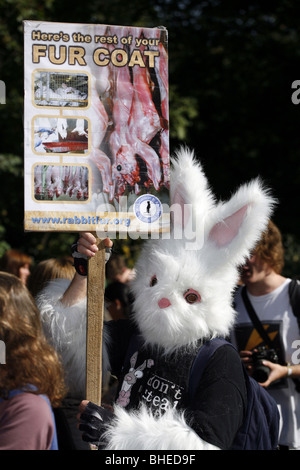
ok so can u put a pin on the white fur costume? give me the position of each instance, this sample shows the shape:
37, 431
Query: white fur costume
171, 269
65, 328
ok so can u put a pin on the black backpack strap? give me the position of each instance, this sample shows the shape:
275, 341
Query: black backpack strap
294, 294
254, 318
294, 291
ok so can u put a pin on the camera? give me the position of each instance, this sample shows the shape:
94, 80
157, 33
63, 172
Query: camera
261, 372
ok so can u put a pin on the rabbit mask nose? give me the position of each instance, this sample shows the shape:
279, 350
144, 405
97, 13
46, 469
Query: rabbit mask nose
164, 303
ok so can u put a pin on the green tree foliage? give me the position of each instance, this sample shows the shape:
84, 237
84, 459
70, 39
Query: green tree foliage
231, 68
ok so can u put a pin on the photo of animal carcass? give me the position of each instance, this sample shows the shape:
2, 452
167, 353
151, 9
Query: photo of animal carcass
130, 117
60, 89
61, 183
60, 135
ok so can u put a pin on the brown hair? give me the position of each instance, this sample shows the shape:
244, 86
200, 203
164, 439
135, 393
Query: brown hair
116, 265
52, 268
13, 260
30, 360
270, 248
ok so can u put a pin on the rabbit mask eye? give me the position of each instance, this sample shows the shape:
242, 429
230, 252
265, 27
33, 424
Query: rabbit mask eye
153, 281
192, 296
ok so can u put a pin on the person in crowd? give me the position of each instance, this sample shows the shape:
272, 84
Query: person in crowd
267, 291
49, 269
118, 300
16, 262
31, 378
64, 327
117, 270
62, 303
118, 303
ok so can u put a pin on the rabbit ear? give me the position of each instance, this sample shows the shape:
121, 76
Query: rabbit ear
133, 359
142, 366
240, 222
190, 196
224, 232
181, 210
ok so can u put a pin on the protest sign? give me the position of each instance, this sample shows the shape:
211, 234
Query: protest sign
96, 123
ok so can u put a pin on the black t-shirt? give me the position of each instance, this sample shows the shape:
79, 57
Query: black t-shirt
148, 376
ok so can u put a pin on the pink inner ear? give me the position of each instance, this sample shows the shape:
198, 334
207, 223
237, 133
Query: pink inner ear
225, 231
181, 211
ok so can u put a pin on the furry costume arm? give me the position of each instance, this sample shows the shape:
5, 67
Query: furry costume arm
64, 324
141, 430
138, 430
65, 327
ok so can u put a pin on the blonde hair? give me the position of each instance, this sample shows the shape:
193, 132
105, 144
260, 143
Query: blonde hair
30, 360
52, 268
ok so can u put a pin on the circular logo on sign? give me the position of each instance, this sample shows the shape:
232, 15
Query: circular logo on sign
147, 208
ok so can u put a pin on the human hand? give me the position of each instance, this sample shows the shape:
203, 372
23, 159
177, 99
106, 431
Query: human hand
93, 420
86, 244
86, 247
246, 357
277, 372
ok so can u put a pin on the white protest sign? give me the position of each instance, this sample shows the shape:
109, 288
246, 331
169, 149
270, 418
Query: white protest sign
96, 123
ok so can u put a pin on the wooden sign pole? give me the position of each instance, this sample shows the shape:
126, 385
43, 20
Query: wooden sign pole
95, 313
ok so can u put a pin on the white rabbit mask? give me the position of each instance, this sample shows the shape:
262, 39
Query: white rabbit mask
183, 288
